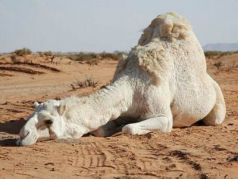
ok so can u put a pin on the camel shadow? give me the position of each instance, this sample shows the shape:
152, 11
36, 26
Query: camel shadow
10, 127
8, 142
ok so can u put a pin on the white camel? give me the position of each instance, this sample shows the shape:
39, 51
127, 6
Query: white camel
163, 83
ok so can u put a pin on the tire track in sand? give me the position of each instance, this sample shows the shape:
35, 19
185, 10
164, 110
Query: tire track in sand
91, 158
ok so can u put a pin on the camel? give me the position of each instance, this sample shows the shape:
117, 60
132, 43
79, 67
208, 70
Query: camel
163, 83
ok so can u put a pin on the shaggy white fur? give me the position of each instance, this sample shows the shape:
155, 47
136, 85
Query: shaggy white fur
162, 83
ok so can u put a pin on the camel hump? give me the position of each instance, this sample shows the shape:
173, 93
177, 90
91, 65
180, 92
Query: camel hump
167, 26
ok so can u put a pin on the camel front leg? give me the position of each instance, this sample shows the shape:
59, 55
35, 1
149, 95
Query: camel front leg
112, 127
161, 123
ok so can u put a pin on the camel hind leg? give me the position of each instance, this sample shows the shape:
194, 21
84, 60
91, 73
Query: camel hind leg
217, 114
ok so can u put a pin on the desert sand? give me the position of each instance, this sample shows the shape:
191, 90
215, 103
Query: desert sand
195, 152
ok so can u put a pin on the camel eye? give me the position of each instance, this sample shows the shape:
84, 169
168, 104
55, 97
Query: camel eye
48, 122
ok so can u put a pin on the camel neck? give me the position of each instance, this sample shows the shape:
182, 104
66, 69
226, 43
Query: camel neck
113, 100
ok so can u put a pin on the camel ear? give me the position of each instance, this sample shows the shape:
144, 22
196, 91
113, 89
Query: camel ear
61, 109
36, 104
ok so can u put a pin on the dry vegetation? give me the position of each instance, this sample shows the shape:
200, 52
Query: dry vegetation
90, 57
222, 61
88, 82
22, 52
218, 54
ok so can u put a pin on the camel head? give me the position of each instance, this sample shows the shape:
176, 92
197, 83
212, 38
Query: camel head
45, 123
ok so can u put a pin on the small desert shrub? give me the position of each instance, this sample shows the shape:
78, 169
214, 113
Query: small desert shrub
113, 56
83, 56
226, 66
84, 84
93, 61
218, 65
48, 53
22, 52
230, 66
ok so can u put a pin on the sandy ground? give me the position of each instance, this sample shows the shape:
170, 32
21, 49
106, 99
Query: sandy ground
194, 152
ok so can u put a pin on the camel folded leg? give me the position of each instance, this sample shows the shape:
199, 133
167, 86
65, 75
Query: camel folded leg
217, 114
161, 123
112, 127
